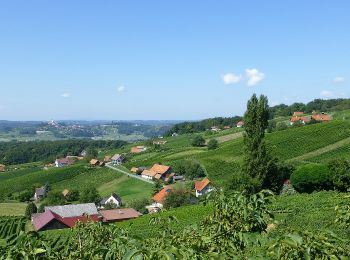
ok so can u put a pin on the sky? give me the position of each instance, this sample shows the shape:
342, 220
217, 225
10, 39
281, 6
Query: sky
126, 60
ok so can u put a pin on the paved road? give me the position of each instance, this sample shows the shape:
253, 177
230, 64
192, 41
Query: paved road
109, 165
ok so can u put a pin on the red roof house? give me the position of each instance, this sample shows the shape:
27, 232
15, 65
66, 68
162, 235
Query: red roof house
160, 196
202, 187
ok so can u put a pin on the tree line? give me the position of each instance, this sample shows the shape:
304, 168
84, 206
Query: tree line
26, 152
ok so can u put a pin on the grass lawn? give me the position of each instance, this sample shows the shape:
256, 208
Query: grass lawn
12, 209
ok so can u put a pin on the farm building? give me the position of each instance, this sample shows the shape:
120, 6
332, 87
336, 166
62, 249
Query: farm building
118, 215
202, 187
240, 124
159, 142
162, 171
63, 162
138, 149
159, 200
302, 119
148, 174
107, 159
114, 199
2, 168
40, 193
94, 162
118, 159
58, 217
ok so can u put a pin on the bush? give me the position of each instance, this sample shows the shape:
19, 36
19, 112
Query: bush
31, 208
55, 198
189, 168
198, 141
140, 205
25, 196
341, 170
89, 195
177, 198
309, 178
213, 144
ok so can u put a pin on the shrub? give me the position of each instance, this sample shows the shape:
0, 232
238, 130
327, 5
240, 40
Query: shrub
177, 198
31, 208
309, 178
213, 144
189, 168
198, 141
140, 205
341, 170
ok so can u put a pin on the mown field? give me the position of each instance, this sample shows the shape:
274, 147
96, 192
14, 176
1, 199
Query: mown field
76, 177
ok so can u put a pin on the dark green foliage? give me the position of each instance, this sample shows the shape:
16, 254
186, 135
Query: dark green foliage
177, 198
256, 157
309, 178
31, 208
41, 208
55, 198
201, 126
140, 205
277, 172
281, 126
341, 170
189, 168
89, 195
25, 196
73, 196
24, 152
212, 144
198, 141
157, 187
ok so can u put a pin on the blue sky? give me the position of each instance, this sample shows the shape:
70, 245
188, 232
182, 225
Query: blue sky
168, 59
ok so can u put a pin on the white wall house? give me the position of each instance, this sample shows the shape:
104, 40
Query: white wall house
203, 187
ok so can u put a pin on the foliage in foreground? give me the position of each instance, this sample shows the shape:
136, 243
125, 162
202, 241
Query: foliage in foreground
236, 229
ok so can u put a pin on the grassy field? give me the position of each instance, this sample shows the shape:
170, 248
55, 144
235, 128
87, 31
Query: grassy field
12, 209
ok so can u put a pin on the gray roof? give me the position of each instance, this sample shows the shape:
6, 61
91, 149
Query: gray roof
67, 211
40, 191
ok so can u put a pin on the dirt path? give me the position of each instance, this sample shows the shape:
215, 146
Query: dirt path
322, 150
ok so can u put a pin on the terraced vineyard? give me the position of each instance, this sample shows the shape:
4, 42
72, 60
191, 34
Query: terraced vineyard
10, 226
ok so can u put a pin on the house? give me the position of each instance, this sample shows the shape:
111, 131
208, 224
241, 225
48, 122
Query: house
159, 142
174, 134
40, 193
138, 149
240, 124
114, 199
161, 171
58, 217
215, 129
63, 162
298, 113
107, 159
227, 127
159, 198
118, 159
94, 162
148, 174
202, 187
2, 168
302, 119
101, 163
169, 177
118, 215
321, 117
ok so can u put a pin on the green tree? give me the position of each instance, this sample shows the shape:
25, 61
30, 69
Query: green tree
341, 170
177, 198
55, 198
189, 168
157, 187
89, 195
73, 196
213, 144
140, 205
198, 141
256, 156
25, 196
30, 209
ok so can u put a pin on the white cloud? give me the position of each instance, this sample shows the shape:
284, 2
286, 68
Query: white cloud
65, 95
230, 78
338, 79
121, 88
254, 76
327, 94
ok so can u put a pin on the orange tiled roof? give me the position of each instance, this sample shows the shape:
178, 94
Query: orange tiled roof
322, 117
161, 169
160, 196
148, 173
94, 161
200, 185
298, 113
